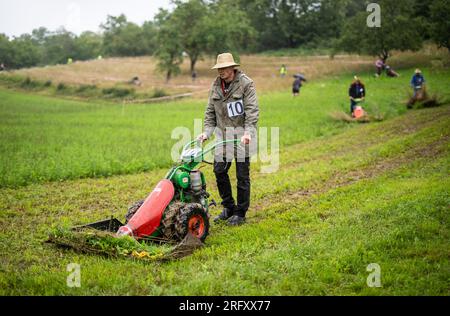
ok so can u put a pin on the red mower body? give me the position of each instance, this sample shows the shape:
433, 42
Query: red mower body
148, 217
358, 112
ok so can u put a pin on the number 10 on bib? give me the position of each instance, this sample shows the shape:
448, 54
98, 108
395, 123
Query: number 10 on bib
235, 108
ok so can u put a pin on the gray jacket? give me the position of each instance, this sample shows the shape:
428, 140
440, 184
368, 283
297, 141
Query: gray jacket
233, 115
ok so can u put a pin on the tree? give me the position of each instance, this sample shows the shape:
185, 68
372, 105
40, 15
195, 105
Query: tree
40, 35
189, 19
58, 47
294, 23
19, 52
170, 50
422, 11
6, 51
149, 37
87, 46
227, 28
123, 38
26, 53
440, 23
398, 31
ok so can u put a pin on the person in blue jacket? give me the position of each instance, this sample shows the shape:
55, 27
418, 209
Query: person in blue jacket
297, 84
357, 91
417, 82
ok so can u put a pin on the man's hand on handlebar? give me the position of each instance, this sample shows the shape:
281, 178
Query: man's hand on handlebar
202, 137
246, 139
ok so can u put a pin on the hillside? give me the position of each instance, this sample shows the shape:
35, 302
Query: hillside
372, 194
264, 69
345, 195
51, 139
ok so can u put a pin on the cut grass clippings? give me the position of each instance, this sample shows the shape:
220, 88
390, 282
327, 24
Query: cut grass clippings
108, 244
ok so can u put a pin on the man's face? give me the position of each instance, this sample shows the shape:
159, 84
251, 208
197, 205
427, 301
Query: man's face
226, 73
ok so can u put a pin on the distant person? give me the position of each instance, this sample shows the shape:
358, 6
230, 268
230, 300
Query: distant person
417, 82
379, 64
390, 72
194, 75
135, 81
356, 92
99, 57
69, 61
2, 67
283, 71
297, 84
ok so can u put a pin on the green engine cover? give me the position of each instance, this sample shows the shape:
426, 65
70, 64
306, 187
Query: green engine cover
182, 179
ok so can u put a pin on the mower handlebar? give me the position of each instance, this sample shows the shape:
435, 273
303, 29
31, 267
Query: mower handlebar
197, 141
199, 156
213, 146
210, 148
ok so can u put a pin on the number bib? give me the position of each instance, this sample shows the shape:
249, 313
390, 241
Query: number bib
235, 108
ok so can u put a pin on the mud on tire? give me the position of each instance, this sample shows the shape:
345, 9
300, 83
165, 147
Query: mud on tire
192, 218
132, 210
168, 222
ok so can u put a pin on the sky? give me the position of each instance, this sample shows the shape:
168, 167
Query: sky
22, 16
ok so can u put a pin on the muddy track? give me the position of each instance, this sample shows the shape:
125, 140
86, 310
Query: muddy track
341, 178
398, 127
395, 128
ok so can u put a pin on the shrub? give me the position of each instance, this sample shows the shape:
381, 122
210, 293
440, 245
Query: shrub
86, 87
28, 83
117, 92
159, 93
61, 87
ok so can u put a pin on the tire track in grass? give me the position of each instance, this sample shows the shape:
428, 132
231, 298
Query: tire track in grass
294, 158
372, 135
338, 179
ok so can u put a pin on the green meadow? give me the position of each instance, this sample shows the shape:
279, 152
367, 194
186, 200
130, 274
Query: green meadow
52, 139
376, 193
345, 195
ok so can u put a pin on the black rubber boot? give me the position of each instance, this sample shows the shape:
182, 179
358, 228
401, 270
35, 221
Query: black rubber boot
236, 220
226, 214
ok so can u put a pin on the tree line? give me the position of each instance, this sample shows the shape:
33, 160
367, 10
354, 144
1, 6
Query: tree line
195, 28
119, 37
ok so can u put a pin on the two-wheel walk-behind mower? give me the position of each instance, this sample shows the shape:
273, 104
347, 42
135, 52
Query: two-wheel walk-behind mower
358, 111
177, 206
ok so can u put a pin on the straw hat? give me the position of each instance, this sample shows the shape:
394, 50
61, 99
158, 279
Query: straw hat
224, 60
418, 71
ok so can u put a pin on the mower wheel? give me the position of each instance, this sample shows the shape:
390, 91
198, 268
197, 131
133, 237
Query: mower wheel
192, 219
132, 210
168, 221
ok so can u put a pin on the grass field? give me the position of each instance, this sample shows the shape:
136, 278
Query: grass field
49, 139
376, 193
346, 195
